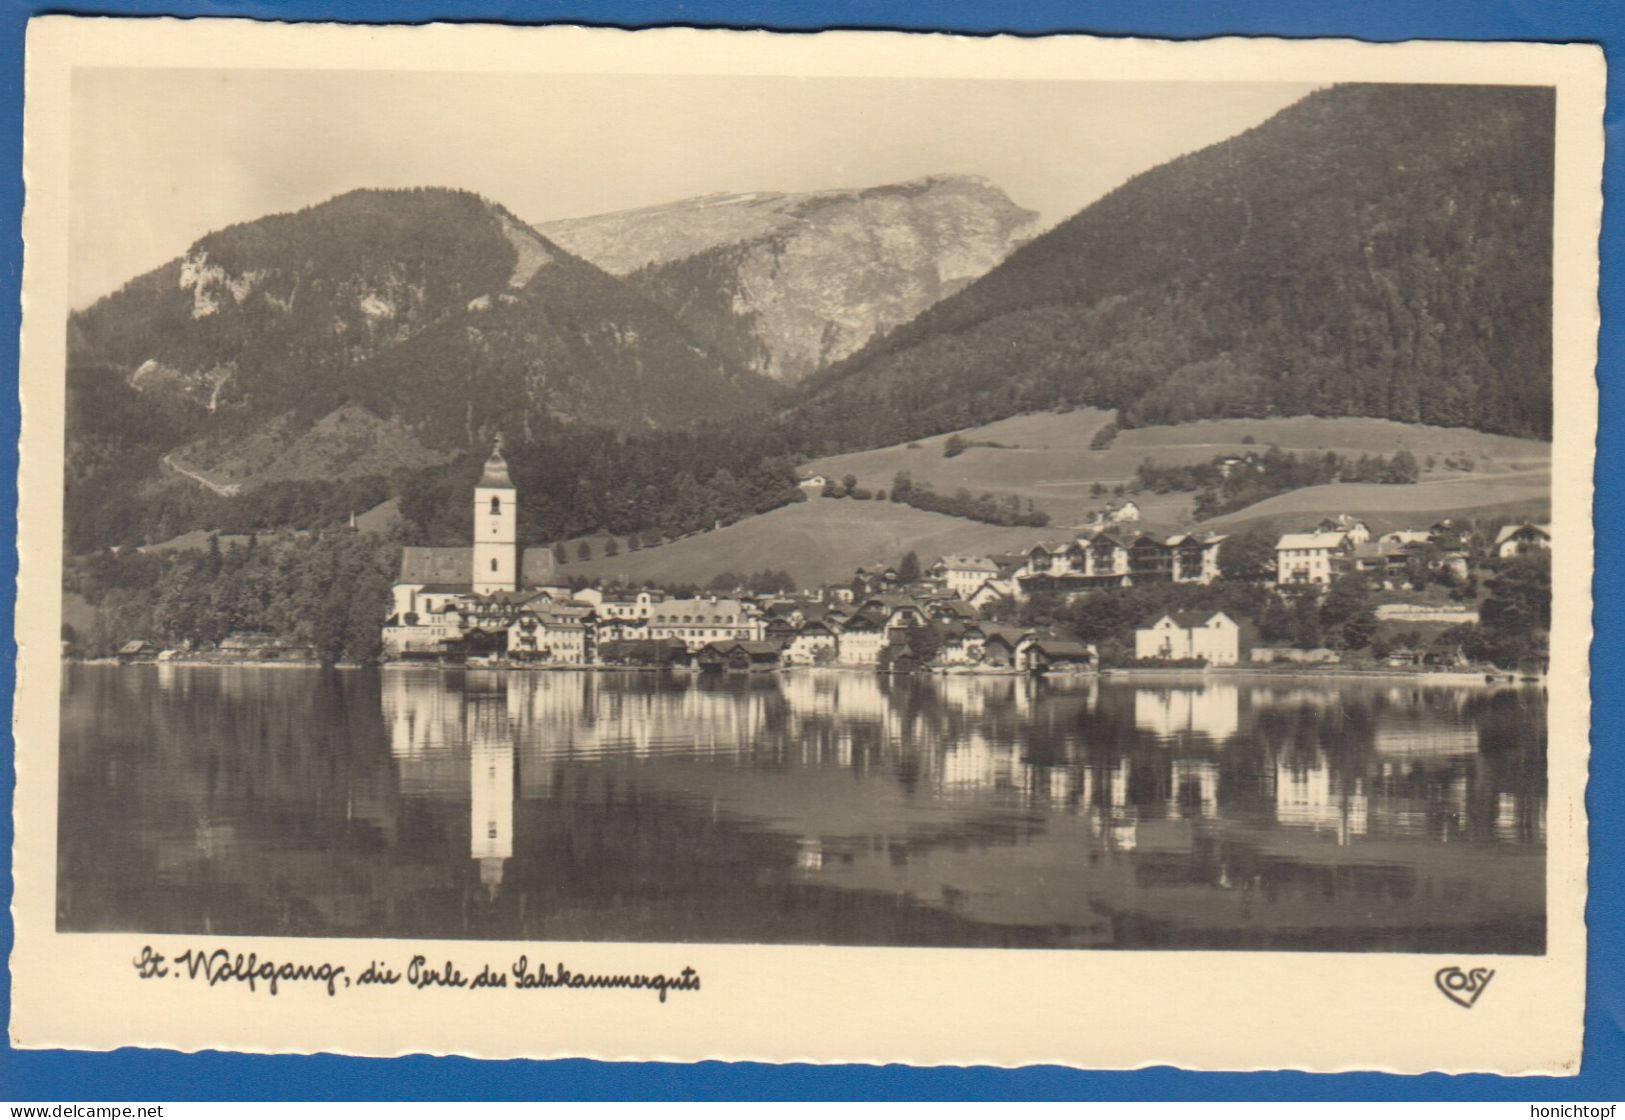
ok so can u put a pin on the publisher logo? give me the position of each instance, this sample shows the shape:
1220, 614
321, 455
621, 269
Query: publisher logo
1463, 987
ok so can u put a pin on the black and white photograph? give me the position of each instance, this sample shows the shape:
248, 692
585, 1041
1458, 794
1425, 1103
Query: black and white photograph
1092, 514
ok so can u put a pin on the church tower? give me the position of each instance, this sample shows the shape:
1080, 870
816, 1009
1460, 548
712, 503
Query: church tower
496, 526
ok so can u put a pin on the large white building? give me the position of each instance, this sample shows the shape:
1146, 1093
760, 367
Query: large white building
860, 640
813, 644
1118, 558
546, 635
1310, 559
1212, 636
699, 622
962, 575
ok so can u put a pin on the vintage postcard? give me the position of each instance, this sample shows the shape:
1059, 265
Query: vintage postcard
848, 548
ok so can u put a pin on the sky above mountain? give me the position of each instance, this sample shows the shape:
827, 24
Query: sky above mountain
160, 158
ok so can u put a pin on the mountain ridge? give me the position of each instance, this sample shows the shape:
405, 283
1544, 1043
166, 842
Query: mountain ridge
1370, 250
379, 331
782, 283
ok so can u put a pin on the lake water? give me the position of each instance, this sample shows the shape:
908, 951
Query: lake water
817, 806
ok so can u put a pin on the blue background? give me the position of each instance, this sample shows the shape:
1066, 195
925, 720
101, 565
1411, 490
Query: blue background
138, 1075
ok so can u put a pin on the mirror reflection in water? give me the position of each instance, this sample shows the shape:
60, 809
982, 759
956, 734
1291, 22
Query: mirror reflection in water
810, 807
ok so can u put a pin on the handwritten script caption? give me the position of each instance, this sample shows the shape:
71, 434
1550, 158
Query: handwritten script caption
223, 967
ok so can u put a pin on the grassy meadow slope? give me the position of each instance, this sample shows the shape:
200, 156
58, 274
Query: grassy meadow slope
1513, 495
1046, 457
816, 541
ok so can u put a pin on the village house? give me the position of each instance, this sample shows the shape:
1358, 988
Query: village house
1150, 560
738, 656
777, 631
543, 635
859, 640
1196, 557
699, 622
962, 575
1384, 563
813, 644
794, 611
993, 591
1084, 564
949, 610
1114, 514
249, 645
252, 645
1515, 540
138, 650
628, 604
1001, 645
1310, 559
1449, 533
1356, 530
1112, 559
621, 629
962, 645
1044, 654
427, 630
999, 651
901, 616
1212, 636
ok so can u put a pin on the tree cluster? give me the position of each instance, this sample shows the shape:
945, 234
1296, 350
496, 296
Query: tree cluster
765, 582
1226, 483
1515, 618
329, 592
1344, 618
989, 508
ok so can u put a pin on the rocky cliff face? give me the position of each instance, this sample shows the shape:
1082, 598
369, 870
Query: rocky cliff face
783, 284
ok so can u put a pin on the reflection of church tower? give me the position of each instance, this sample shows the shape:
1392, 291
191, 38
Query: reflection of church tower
496, 522
490, 787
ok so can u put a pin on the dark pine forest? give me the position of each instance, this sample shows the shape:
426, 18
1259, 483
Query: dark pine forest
1377, 251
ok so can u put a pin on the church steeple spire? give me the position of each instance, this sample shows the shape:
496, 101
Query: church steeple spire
496, 468
496, 521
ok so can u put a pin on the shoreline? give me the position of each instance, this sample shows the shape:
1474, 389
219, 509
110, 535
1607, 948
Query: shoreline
1482, 678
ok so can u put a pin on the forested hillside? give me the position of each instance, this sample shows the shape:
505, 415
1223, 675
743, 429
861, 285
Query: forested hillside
381, 332
1372, 250
397, 298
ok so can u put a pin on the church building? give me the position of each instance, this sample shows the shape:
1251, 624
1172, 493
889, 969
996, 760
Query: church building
455, 599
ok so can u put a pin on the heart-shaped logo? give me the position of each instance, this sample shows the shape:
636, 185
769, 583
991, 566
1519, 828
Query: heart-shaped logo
1462, 987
